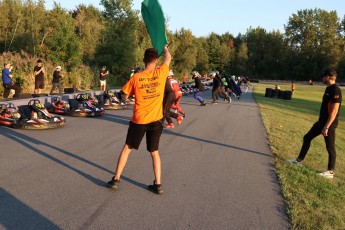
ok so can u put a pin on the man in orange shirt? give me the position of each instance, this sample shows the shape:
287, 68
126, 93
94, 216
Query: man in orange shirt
148, 89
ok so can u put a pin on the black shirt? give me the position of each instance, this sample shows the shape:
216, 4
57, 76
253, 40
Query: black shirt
102, 78
40, 76
216, 83
56, 76
199, 85
332, 95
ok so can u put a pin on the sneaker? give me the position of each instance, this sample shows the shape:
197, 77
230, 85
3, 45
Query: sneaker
213, 103
295, 161
114, 183
179, 120
326, 174
229, 100
169, 126
203, 103
156, 188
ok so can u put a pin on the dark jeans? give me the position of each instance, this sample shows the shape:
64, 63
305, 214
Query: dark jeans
8, 87
315, 131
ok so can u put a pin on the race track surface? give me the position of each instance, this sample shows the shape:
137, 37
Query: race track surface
217, 172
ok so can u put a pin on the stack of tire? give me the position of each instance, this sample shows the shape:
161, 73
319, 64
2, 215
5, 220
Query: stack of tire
273, 93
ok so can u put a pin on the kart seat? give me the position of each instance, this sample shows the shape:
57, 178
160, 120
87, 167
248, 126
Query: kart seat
25, 111
74, 104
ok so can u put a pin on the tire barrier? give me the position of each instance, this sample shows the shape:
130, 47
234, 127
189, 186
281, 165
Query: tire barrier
286, 95
268, 92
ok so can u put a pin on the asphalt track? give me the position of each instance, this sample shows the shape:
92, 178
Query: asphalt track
217, 172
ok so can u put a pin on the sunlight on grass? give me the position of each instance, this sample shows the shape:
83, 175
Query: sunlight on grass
313, 202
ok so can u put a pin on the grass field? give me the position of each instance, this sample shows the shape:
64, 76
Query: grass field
313, 202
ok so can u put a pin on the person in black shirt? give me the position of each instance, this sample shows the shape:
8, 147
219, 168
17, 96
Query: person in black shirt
102, 78
201, 88
39, 77
327, 123
56, 80
218, 88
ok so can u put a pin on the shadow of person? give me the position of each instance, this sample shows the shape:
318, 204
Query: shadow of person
29, 143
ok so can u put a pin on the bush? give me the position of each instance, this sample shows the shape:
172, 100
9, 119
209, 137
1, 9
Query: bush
81, 77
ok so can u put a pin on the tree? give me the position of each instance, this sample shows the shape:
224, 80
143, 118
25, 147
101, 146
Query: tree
117, 49
89, 25
185, 55
60, 43
313, 36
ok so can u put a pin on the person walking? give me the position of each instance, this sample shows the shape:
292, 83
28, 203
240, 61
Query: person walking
327, 123
148, 88
102, 78
56, 80
7, 81
39, 72
200, 88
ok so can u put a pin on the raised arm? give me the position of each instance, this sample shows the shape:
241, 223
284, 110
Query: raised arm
167, 56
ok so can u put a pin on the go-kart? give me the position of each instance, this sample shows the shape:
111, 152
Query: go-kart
109, 100
31, 116
82, 106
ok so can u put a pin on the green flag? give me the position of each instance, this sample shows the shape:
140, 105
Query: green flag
153, 16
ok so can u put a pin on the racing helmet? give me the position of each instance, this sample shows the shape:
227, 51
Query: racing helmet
39, 105
212, 74
57, 99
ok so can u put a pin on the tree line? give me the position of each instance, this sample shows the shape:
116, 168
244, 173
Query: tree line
86, 37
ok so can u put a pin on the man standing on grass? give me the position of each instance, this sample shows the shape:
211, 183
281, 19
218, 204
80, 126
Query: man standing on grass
148, 88
327, 123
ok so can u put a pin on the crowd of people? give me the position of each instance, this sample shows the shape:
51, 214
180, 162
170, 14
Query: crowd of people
39, 73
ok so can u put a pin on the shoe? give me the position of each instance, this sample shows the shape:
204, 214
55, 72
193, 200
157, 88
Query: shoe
295, 161
326, 174
114, 183
213, 103
229, 100
156, 188
169, 126
203, 103
179, 120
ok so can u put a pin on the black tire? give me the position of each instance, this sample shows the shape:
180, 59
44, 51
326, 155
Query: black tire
268, 92
287, 95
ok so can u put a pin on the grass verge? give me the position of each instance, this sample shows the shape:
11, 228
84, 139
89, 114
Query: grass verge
313, 202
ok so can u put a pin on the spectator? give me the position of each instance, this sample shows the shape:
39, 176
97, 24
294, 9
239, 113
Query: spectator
39, 72
56, 80
7, 81
102, 78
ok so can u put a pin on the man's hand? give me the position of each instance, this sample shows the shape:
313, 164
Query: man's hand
324, 131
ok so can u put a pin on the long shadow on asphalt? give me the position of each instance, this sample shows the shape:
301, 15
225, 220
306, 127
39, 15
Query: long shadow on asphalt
215, 143
125, 120
21, 138
14, 214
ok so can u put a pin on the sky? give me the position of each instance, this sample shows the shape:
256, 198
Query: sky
203, 17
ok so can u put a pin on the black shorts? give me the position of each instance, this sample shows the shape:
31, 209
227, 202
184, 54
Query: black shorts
136, 133
39, 84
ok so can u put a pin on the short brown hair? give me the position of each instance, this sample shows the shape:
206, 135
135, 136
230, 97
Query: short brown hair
150, 55
331, 73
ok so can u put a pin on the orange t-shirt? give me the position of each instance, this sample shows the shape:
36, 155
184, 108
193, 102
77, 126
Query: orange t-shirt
148, 89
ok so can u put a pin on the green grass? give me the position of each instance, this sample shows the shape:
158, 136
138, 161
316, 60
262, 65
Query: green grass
313, 202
